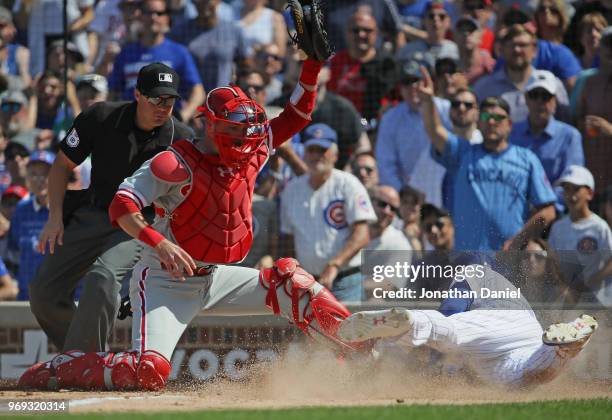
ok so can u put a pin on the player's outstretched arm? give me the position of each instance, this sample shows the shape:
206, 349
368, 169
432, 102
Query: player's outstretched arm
296, 115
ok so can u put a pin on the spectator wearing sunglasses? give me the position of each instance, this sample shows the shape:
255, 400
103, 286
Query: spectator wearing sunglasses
384, 236
556, 144
437, 23
269, 61
481, 12
14, 113
474, 60
365, 168
363, 73
540, 278
78, 236
403, 147
439, 230
499, 183
154, 46
449, 78
518, 49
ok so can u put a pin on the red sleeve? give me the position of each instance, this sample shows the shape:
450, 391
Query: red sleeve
121, 205
289, 122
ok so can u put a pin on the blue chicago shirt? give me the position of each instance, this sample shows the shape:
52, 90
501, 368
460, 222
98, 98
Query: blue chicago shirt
494, 192
26, 224
557, 147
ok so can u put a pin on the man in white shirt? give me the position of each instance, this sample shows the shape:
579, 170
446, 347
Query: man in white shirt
585, 234
326, 213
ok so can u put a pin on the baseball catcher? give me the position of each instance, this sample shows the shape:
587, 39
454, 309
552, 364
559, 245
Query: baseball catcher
202, 193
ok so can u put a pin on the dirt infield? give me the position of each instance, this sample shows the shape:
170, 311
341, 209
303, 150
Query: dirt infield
317, 379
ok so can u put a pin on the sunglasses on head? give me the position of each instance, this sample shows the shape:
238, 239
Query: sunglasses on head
486, 116
439, 224
456, 104
539, 95
383, 205
161, 102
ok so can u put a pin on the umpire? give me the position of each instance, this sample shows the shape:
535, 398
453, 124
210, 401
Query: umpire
119, 136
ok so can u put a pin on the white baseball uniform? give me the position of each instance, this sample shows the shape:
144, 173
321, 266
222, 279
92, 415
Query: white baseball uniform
500, 339
320, 220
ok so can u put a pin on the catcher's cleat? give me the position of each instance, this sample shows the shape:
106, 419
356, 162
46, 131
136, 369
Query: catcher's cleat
563, 333
362, 326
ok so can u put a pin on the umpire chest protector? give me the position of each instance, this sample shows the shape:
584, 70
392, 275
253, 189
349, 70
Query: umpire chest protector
214, 222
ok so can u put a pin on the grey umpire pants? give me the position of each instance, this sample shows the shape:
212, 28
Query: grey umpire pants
100, 255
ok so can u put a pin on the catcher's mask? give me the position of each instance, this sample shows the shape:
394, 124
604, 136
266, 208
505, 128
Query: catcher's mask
236, 123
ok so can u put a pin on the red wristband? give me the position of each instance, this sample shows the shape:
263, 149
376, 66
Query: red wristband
310, 71
150, 236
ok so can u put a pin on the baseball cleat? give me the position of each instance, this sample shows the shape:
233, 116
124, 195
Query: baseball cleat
367, 325
580, 329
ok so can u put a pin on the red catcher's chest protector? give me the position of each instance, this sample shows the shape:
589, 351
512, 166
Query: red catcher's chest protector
214, 223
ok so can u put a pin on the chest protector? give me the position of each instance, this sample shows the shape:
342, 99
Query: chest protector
214, 223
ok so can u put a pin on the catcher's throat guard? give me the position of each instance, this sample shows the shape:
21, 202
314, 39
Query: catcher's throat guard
237, 124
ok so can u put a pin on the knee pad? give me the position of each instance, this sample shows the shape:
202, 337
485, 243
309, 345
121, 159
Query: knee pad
322, 313
153, 371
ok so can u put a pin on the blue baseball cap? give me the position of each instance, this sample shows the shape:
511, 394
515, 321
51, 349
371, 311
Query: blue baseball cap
321, 135
42, 156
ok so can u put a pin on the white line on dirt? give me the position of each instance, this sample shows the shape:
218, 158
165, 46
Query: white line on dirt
99, 400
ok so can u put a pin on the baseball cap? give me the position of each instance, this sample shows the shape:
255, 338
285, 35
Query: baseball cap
468, 23
410, 70
15, 190
70, 46
543, 79
577, 175
96, 81
320, 135
446, 65
42, 156
157, 79
5, 14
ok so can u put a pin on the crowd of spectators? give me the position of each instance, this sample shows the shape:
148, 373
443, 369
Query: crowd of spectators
460, 125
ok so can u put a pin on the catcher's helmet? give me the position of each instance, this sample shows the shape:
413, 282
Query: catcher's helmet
236, 123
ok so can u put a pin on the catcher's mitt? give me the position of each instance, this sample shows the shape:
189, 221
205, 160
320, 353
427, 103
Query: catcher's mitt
310, 35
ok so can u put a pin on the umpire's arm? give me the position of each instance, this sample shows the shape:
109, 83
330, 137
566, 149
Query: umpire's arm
53, 232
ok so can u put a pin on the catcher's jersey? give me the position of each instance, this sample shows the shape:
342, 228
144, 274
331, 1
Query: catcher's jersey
320, 220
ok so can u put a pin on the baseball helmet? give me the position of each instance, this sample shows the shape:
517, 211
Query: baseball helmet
236, 123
